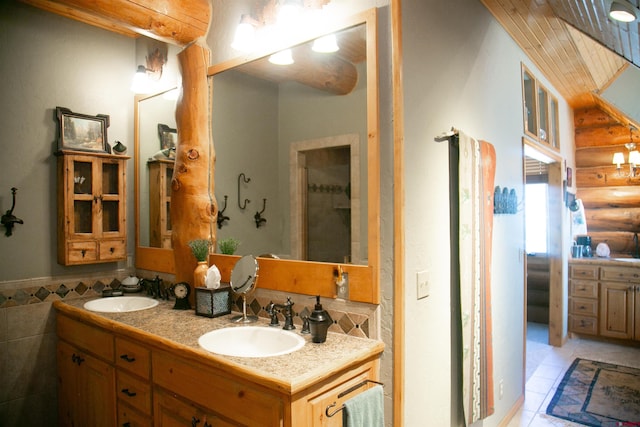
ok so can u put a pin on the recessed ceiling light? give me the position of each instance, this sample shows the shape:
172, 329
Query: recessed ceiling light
622, 11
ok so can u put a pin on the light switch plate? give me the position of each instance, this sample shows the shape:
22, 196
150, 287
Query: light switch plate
422, 283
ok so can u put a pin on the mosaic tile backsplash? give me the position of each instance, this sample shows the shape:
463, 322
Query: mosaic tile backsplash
357, 322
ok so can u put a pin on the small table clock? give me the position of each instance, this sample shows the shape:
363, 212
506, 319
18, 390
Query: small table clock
182, 290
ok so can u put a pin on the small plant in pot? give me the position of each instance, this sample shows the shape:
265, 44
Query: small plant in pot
200, 249
228, 246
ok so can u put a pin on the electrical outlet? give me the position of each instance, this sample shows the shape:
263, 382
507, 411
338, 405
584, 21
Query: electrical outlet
343, 286
500, 389
422, 282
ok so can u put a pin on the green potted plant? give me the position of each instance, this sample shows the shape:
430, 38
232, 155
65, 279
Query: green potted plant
228, 246
200, 249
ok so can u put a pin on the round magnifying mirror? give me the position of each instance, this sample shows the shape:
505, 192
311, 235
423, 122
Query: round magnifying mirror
244, 275
243, 281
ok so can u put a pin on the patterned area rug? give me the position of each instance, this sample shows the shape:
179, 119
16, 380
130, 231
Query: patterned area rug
598, 394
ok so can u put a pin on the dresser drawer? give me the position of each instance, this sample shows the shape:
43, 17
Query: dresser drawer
583, 306
134, 391
583, 271
113, 249
133, 357
583, 324
583, 289
624, 274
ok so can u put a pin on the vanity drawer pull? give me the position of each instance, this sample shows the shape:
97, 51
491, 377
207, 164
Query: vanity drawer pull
128, 393
126, 358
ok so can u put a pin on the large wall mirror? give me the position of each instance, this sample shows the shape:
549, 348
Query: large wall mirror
306, 135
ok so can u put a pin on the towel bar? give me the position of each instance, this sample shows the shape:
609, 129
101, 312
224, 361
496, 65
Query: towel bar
344, 393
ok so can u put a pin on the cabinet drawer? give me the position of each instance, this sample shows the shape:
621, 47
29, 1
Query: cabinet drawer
132, 418
583, 271
93, 340
82, 251
583, 324
583, 288
583, 306
112, 249
213, 390
625, 274
133, 357
134, 391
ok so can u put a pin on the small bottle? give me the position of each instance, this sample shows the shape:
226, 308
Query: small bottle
319, 322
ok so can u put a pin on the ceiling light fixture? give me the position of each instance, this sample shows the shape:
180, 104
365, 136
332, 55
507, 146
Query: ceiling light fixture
325, 44
622, 11
284, 57
634, 156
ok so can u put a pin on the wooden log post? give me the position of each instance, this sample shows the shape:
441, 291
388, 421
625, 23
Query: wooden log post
193, 206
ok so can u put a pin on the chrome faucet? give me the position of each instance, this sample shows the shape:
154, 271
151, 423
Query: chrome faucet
287, 308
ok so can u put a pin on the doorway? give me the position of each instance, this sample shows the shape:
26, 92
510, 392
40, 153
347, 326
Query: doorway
325, 199
537, 159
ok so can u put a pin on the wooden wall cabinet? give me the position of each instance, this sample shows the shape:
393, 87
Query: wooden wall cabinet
160, 175
91, 208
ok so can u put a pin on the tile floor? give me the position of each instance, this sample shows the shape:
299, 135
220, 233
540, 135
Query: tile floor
546, 366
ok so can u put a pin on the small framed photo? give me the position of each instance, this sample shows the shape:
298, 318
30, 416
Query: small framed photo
81, 131
168, 137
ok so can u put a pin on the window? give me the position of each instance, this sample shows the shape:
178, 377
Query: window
535, 202
540, 110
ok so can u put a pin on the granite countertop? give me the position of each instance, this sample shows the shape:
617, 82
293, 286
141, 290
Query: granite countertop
162, 326
618, 262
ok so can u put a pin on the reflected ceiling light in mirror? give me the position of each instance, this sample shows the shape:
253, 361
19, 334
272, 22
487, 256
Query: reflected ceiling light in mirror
244, 39
622, 11
325, 44
284, 57
289, 12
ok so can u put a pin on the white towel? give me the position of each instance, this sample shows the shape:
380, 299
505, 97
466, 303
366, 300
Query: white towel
365, 409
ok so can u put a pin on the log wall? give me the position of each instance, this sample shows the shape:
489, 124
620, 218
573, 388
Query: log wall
611, 198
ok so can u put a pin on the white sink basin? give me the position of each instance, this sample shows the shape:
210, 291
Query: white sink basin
120, 304
251, 341
626, 259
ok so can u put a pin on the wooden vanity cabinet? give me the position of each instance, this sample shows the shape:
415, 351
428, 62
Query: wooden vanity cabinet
583, 299
86, 377
619, 302
150, 382
91, 208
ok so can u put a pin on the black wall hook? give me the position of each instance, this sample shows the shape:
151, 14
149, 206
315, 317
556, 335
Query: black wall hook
8, 219
221, 218
258, 216
246, 180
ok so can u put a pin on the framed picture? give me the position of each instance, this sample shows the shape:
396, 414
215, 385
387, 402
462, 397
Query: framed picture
168, 137
81, 131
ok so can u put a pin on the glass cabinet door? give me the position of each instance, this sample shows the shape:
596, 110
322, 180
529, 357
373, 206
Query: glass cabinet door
110, 197
543, 102
530, 108
83, 200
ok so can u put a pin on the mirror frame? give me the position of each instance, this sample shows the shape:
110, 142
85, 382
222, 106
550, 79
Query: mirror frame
302, 277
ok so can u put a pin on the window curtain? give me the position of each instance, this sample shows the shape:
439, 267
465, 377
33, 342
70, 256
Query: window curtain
475, 181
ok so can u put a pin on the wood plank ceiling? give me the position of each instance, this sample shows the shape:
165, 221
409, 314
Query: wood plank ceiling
577, 65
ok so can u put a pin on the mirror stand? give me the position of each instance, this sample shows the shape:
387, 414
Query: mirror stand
243, 318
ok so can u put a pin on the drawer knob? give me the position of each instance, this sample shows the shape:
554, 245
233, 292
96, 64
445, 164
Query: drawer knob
128, 393
126, 358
